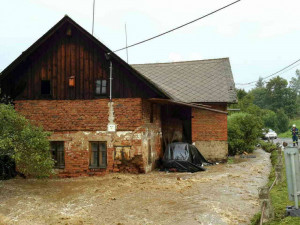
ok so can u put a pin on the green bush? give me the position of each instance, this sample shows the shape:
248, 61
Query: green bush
270, 120
283, 121
243, 132
26, 144
268, 146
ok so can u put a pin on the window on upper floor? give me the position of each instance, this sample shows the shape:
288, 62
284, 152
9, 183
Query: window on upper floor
101, 87
98, 154
58, 154
45, 87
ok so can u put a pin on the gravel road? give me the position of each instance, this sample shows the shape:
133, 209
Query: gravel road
224, 194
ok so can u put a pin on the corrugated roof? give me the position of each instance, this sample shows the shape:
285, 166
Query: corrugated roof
193, 81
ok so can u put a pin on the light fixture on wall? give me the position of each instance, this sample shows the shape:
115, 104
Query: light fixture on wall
72, 81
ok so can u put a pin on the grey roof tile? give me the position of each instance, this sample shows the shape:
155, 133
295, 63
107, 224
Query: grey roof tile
193, 81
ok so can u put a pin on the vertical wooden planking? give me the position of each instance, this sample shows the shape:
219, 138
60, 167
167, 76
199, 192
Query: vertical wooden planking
81, 58
59, 71
54, 71
73, 64
63, 68
91, 70
77, 73
86, 72
68, 66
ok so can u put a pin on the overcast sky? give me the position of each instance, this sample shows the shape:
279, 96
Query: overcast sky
259, 36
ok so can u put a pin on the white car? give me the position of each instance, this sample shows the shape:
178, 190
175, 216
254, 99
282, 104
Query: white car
271, 134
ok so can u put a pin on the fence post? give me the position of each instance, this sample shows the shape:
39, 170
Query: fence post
264, 200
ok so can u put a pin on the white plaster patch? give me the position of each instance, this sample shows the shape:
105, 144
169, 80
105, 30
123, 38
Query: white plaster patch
86, 133
100, 132
123, 133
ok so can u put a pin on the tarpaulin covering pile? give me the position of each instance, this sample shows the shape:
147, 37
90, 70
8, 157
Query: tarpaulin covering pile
183, 157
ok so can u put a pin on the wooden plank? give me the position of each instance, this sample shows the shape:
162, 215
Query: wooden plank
91, 72
59, 70
86, 73
63, 69
81, 72
55, 71
77, 71
73, 65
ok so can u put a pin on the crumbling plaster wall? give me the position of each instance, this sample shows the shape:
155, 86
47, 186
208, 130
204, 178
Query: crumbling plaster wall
77, 122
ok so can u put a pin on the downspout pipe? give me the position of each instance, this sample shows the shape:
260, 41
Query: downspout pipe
108, 57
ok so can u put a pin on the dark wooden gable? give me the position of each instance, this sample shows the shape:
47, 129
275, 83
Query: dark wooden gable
68, 51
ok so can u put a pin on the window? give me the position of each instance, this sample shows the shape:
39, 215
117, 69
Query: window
45, 87
101, 87
98, 154
58, 154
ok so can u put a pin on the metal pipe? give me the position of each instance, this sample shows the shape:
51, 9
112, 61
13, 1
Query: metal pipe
110, 81
294, 181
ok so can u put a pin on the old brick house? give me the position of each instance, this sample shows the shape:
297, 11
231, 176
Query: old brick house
62, 83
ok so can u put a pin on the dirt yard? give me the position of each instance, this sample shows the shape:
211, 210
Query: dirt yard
224, 194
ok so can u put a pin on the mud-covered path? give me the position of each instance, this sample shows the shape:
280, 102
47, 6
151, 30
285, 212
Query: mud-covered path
224, 194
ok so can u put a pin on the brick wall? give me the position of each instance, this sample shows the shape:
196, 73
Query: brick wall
76, 115
208, 125
78, 122
209, 132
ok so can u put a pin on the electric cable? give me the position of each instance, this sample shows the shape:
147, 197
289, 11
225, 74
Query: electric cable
176, 28
273, 74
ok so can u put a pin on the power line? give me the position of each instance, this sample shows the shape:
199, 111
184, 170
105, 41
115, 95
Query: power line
273, 74
176, 28
93, 17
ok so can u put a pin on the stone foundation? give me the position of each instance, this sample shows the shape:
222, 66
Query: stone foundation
213, 150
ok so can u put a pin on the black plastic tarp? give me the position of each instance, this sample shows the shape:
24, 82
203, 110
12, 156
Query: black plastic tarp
183, 157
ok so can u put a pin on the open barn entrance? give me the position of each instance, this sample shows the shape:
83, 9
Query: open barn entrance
176, 124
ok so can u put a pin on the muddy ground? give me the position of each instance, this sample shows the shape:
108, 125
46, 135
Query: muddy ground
224, 194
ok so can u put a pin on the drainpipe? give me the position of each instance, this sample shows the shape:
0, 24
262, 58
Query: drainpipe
110, 81
108, 57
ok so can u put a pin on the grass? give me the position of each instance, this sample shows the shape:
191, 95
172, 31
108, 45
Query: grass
288, 134
279, 199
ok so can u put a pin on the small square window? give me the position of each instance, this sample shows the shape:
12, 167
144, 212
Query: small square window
98, 154
101, 87
58, 154
45, 87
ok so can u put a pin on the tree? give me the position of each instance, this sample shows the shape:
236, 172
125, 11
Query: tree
259, 95
241, 93
295, 82
26, 144
260, 83
278, 95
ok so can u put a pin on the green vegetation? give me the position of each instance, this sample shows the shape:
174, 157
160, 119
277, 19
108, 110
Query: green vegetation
243, 132
288, 133
269, 105
279, 199
267, 146
26, 144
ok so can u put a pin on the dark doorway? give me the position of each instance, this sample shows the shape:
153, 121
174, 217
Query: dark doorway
176, 124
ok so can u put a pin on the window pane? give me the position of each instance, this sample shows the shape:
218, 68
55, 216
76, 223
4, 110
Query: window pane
103, 90
58, 154
98, 87
94, 155
103, 83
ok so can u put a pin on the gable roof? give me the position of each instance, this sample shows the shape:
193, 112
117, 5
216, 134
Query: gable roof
193, 81
66, 19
